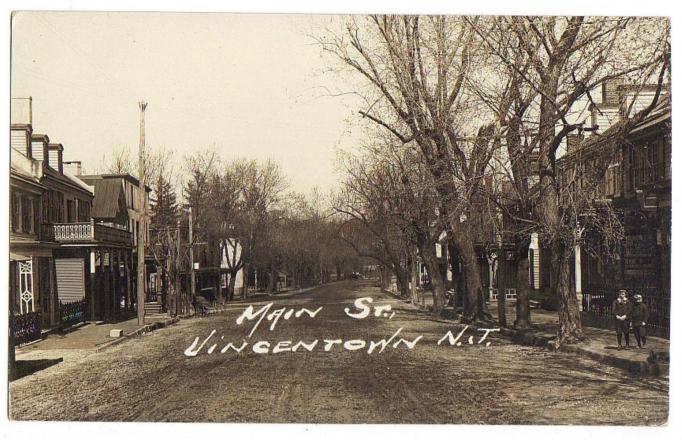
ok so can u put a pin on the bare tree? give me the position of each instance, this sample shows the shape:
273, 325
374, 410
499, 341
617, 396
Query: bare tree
551, 66
415, 70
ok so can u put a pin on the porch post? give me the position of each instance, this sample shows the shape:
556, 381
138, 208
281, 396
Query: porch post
54, 301
115, 273
92, 276
578, 278
129, 280
106, 280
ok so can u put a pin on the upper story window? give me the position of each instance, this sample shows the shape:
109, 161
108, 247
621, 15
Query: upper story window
53, 207
83, 211
612, 179
130, 193
24, 210
71, 211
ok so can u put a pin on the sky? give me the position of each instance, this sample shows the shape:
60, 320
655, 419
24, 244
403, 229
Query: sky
246, 85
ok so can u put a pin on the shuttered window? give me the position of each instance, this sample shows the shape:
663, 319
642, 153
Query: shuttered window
70, 282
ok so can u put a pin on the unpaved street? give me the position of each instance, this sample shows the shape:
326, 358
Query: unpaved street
151, 379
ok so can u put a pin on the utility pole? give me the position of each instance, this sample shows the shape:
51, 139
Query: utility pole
141, 236
176, 279
191, 257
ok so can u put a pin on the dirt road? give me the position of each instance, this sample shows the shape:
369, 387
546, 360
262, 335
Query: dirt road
152, 379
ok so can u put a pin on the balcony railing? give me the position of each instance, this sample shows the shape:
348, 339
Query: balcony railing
86, 232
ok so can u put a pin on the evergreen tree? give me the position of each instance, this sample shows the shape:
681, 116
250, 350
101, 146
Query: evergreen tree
164, 213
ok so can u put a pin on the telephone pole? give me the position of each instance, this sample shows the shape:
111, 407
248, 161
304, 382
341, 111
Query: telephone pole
191, 258
141, 236
176, 280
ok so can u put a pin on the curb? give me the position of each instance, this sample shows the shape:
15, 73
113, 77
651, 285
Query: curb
651, 366
140, 331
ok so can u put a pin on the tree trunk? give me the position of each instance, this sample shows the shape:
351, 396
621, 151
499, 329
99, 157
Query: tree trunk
413, 279
386, 278
245, 288
457, 277
522, 294
570, 326
230, 285
221, 300
428, 254
272, 280
474, 304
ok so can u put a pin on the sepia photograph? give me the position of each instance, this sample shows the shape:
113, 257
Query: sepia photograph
390, 218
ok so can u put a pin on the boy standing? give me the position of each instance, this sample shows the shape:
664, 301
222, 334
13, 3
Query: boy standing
621, 310
639, 316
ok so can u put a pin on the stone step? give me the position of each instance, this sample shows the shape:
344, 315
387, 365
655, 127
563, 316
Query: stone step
152, 309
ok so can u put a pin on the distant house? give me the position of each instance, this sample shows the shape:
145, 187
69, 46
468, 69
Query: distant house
116, 205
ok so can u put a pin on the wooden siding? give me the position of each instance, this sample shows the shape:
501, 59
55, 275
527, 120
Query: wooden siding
19, 140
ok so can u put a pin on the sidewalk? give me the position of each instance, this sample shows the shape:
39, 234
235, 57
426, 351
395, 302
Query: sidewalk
90, 337
600, 344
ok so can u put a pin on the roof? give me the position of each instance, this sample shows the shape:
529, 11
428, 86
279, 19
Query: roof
24, 167
108, 192
126, 176
78, 181
659, 114
48, 172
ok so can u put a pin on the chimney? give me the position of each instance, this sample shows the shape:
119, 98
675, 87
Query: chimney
21, 111
73, 167
55, 155
573, 141
20, 125
610, 96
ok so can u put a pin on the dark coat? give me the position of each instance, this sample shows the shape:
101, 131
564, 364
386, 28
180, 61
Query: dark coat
639, 314
622, 308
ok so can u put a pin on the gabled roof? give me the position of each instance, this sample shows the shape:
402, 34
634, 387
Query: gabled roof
125, 176
109, 199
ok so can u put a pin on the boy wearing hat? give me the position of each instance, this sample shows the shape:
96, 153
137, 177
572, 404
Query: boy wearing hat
639, 315
621, 310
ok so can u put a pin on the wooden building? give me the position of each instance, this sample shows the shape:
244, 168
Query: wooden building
637, 185
116, 207
65, 268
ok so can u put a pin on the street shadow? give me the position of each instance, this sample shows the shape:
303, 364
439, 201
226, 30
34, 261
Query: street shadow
28, 367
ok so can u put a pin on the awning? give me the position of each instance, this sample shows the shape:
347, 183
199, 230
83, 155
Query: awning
13, 256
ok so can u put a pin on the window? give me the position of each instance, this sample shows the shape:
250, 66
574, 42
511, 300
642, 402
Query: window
54, 207
27, 218
653, 156
83, 211
667, 146
16, 212
71, 211
612, 179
